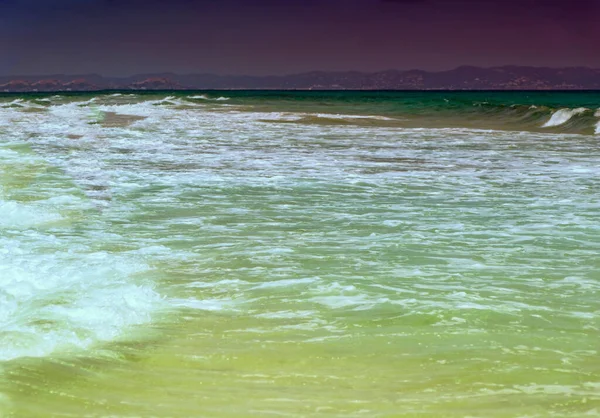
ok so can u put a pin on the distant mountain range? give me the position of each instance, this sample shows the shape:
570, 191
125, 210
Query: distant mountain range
461, 78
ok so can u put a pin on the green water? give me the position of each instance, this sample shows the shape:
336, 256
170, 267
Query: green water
300, 254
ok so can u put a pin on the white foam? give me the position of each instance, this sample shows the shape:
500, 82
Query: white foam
288, 314
204, 305
562, 116
287, 283
65, 300
205, 97
597, 114
15, 102
301, 116
56, 292
338, 116
15, 215
221, 284
23, 104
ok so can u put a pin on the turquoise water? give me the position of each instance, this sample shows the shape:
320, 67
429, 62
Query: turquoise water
300, 254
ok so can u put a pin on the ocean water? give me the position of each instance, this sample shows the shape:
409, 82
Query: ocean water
300, 254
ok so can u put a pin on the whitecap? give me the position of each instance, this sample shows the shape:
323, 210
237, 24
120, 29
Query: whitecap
205, 97
340, 116
562, 116
292, 117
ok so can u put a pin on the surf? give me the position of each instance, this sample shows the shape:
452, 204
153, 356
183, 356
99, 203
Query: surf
562, 116
60, 292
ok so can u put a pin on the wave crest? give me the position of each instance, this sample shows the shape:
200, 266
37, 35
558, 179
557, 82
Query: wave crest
562, 116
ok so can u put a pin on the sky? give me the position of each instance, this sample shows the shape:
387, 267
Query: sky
260, 37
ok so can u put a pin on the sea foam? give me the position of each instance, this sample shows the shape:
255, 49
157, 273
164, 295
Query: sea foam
66, 301
205, 97
14, 215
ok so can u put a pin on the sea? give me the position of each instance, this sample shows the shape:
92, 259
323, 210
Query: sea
300, 254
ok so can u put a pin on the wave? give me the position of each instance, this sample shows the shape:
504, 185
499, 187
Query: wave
469, 115
66, 301
537, 118
441, 114
562, 116
20, 104
61, 290
13, 104
337, 116
326, 118
205, 97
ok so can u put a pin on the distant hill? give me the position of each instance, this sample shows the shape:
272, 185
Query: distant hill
461, 78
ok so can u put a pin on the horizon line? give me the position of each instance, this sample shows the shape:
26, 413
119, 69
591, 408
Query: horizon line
304, 90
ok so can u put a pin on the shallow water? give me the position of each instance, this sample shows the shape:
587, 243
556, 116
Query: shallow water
171, 255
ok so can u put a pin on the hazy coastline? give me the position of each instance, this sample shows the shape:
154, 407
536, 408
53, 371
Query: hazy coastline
461, 78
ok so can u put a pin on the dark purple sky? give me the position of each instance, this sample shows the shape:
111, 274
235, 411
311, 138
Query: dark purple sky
123, 37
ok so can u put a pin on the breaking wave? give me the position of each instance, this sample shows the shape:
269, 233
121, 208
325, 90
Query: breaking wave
205, 97
62, 289
563, 116
64, 300
438, 113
